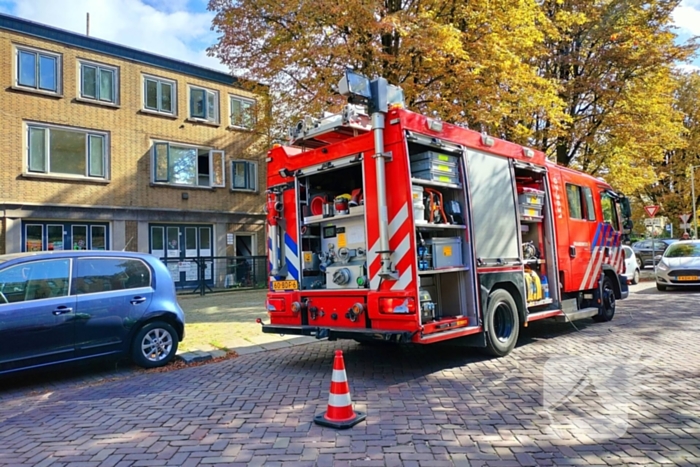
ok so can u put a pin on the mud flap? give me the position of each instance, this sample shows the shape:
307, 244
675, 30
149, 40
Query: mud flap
624, 287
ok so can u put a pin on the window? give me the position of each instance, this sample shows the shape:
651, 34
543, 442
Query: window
96, 275
204, 104
573, 195
176, 164
38, 70
244, 175
98, 82
159, 95
609, 210
242, 112
66, 151
34, 280
60, 235
580, 202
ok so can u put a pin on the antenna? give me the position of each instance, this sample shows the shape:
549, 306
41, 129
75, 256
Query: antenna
87, 24
127, 243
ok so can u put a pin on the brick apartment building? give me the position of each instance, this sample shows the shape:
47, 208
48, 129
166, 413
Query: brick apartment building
109, 147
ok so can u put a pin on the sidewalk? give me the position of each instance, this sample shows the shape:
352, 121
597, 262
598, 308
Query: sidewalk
220, 322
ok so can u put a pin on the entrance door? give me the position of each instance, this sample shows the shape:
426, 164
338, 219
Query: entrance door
182, 247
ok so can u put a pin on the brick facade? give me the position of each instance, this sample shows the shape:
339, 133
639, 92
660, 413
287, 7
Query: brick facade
127, 199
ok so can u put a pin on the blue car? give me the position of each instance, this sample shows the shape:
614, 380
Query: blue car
65, 306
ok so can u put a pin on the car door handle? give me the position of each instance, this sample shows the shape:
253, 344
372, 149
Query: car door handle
137, 300
62, 310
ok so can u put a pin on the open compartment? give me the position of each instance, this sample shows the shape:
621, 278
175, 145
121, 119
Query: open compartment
333, 245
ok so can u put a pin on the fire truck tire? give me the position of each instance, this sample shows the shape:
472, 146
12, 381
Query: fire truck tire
607, 307
502, 323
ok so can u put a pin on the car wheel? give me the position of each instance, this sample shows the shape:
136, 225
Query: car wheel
635, 277
607, 303
660, 287
502, 324
640, 263
155, 345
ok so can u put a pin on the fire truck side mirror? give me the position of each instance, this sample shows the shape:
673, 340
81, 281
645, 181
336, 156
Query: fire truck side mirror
625, 207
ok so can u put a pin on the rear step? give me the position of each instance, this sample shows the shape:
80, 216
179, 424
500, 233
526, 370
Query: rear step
576, 315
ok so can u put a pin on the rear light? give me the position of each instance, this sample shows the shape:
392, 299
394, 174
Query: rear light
398, 305
296, 307
275, 305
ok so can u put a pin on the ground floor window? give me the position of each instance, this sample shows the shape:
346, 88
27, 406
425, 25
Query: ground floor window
60, 235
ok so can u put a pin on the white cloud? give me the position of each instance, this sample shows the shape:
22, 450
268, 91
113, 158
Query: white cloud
163, 27
687, 16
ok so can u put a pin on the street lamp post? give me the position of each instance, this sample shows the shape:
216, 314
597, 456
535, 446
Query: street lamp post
692, 187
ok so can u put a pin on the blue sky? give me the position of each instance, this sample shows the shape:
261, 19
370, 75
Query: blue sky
181, 28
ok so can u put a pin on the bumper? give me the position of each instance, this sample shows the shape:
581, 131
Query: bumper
333, 334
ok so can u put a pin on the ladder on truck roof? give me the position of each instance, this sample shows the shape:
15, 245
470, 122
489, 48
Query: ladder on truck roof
316, 132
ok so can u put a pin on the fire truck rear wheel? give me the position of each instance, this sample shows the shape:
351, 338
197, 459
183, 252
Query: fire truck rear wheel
502, 323
607, 302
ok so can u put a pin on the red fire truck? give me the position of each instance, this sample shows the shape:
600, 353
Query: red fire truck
384, 224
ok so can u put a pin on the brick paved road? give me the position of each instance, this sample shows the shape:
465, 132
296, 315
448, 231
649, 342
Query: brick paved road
426, 406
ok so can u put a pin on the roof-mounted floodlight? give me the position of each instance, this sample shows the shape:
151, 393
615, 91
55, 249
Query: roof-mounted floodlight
395, 96
354, 84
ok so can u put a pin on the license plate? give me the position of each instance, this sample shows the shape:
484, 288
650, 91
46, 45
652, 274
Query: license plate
687, 278
285, 285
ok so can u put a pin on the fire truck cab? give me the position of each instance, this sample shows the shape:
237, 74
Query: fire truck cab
384, 224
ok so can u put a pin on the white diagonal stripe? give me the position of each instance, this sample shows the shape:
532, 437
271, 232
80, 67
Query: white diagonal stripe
339, 400
398, 220
404, 280
591, 262
401, 250
339, 376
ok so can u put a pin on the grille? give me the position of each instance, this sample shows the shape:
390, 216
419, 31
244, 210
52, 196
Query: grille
684, 272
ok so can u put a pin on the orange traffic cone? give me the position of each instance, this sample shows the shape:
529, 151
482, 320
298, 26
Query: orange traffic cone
339, 414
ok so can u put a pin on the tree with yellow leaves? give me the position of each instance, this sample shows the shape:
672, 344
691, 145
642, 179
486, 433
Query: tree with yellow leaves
469, 62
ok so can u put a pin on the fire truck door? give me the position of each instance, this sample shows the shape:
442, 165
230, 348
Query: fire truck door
581, 223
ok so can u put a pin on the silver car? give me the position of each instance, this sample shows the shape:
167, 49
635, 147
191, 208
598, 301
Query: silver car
679, 266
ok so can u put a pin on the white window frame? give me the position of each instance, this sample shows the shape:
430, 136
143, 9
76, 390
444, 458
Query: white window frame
253, 102
213, 154
251, 182
28, 126
173, 98
39, 52
98, 68
207, 92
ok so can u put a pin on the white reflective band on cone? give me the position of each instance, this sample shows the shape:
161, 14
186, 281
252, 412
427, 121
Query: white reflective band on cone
339, 400
339, 376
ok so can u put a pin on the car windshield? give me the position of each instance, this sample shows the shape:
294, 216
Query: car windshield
683, 250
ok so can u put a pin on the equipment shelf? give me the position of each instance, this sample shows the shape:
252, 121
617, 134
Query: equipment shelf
441, 271
354, 212
422, 181
440, 226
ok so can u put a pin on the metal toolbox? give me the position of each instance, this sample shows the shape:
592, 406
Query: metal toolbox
434, 156
446, 252
437, 176
437, 166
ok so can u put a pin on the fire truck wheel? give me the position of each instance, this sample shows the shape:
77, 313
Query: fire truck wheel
607, 308
502, 323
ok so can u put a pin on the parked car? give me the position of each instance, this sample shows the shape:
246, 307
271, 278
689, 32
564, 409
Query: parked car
646, 250
631, 266
65, 306
679, 266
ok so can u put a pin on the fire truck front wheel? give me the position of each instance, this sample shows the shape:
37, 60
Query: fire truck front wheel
607, 302
501, 323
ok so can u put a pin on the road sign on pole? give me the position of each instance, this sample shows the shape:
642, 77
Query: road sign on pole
684, 218
685, 225
651, 210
